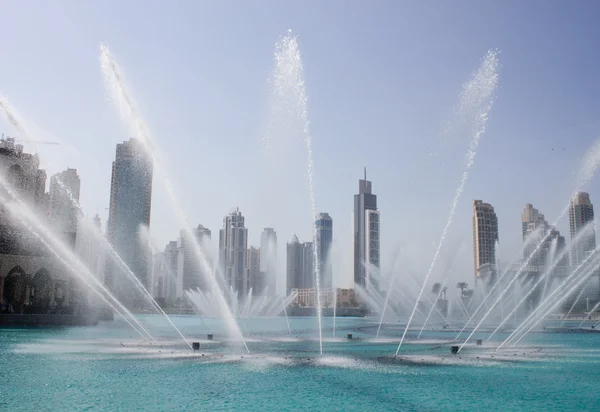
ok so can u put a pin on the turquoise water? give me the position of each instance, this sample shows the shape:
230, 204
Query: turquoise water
107, 367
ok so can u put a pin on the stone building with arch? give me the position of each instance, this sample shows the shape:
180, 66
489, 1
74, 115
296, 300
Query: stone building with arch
33, 282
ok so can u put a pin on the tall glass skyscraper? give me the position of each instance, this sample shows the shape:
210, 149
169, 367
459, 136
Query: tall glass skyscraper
366, 234
233, 246
130, 204
324, 225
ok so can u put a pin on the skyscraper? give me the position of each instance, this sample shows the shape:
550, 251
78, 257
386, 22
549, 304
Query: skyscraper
268, 260
169, 271
366, 234
485, 236
581, 212
191, 273
300, 270
233, 245
536, 230
256, 281
324, 225
130, 203
64, 197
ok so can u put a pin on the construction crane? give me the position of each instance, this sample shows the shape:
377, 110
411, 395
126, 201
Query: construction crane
29, 141
36, 142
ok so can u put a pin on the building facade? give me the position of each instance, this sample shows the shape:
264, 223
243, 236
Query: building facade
130, 204
581, 213
233, 246
366, 234
324, 226
256, 281
64, 205
268, 260
32, 280
300, 270
541, 242
191, 271
485, 237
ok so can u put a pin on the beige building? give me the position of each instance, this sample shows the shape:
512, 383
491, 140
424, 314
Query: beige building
307, 298
485, 237
32, 280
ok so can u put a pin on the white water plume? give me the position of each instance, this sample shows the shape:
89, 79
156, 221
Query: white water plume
123, 100
583, 235
28, 218
289, 90
477, 97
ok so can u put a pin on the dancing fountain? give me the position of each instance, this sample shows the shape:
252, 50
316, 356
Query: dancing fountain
405, 302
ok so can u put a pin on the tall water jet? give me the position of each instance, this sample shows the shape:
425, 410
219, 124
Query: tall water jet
587, 170
22, 212
585, 232
476, 99
289, 87
116, 87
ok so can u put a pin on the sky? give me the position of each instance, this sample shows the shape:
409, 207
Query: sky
383, 80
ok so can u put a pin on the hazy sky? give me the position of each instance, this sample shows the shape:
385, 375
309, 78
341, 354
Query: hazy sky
382, 80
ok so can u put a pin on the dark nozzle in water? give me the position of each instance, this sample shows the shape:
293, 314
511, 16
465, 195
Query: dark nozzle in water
454, 349
210, 336
349, 336
196, 346
479, 342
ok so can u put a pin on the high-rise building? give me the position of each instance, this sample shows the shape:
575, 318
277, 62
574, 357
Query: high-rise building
64, 198
130, 203
191, 273
300, 270
268, 260
485, 236
90, 247
233, 245
256, 281
324, 225
169, 271
366, 234
581, 212
541, 241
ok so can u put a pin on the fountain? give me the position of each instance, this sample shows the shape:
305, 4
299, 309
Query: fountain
115, 85
289, 87
476, 99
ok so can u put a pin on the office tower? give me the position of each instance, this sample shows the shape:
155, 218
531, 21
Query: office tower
130, 203
366, 234
541, 241
169, 271
233, 245
90, 247
255, 278
581, 212
191, 258
157, 283
268, 260
300, 270
485, 236
64, 200
324, 225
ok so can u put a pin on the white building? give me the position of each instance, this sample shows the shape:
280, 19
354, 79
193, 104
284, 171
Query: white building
233, 246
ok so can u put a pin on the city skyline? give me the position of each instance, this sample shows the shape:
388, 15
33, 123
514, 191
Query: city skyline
421, 160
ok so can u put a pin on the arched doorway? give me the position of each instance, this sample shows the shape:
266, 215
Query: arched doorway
14, 290
41, 291
15, 177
